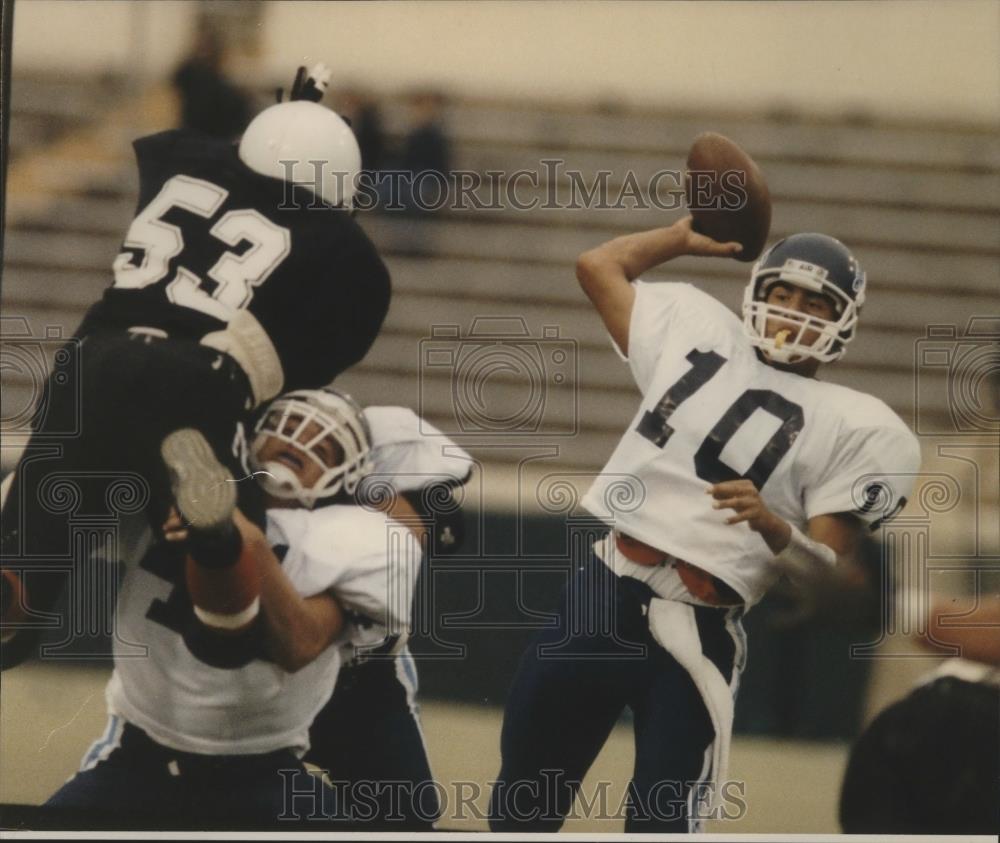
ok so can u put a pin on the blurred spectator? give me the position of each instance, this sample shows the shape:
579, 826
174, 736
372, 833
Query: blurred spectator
210, 103
928, 763
362, 112
426, 149
419, 180
426, 146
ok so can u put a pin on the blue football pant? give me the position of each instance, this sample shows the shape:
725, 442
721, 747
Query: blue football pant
128, 780
368, 739
571, 686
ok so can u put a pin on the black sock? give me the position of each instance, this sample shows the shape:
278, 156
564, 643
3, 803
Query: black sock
218, 548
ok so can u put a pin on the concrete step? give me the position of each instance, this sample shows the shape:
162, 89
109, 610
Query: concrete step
765, 140
925, 229
906, 264
787, 178
504, 282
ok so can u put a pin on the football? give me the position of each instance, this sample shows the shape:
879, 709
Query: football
727, 195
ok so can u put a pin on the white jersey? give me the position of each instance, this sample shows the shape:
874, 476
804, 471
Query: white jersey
369, 561
377, 560
713, 411
411, 453
186, 704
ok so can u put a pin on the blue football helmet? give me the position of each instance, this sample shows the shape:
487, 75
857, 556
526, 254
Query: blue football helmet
817, 263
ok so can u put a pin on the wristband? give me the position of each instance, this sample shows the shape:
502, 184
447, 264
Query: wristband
238, 620
803, 555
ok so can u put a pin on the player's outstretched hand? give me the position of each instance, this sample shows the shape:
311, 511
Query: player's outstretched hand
702, 245
744, 499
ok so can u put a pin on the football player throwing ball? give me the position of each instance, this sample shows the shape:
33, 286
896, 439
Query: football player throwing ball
747, 466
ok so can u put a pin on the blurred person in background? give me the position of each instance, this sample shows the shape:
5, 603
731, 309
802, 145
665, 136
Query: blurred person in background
423, 157
362, 112
210, 103
421, 174
929, 763
239, 277
426, 145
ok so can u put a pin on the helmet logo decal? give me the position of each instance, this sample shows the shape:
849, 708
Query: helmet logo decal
809, 268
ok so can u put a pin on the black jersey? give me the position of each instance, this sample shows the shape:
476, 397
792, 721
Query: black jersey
212, 236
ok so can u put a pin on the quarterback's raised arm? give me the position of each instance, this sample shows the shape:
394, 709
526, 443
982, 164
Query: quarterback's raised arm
605, 272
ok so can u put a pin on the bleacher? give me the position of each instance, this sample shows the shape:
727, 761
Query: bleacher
918, 204
46, 108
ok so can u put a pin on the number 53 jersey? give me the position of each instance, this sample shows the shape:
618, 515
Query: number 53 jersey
713, 411
212, 237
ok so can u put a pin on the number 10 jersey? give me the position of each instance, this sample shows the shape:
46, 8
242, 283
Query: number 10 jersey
713, 411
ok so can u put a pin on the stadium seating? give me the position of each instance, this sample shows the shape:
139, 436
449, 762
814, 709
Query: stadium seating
917, 203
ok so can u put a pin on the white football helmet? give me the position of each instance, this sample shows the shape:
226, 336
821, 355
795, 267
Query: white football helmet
331, 414
321, 147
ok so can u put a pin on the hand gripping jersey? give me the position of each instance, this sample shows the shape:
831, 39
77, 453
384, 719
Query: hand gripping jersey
713, 411
211, 237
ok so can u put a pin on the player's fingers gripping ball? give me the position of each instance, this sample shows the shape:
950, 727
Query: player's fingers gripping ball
727, 195
704, 246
